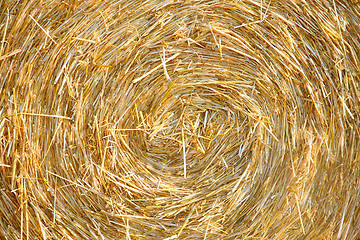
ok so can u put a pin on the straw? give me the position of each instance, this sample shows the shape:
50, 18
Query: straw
196, 119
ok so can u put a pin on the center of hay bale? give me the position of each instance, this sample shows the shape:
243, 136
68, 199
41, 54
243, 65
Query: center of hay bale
189, 125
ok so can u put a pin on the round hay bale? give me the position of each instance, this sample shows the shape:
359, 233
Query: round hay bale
171, 119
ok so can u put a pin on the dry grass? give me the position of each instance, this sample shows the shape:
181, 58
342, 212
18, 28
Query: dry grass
193, 119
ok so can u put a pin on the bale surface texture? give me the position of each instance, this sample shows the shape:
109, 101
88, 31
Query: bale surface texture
197, 119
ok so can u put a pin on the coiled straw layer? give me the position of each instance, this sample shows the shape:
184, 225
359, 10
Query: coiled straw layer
193, 119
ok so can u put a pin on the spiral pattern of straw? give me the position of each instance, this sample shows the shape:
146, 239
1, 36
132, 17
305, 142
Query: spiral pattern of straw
189, 119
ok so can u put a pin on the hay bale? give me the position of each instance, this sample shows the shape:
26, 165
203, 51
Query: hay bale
179, 119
